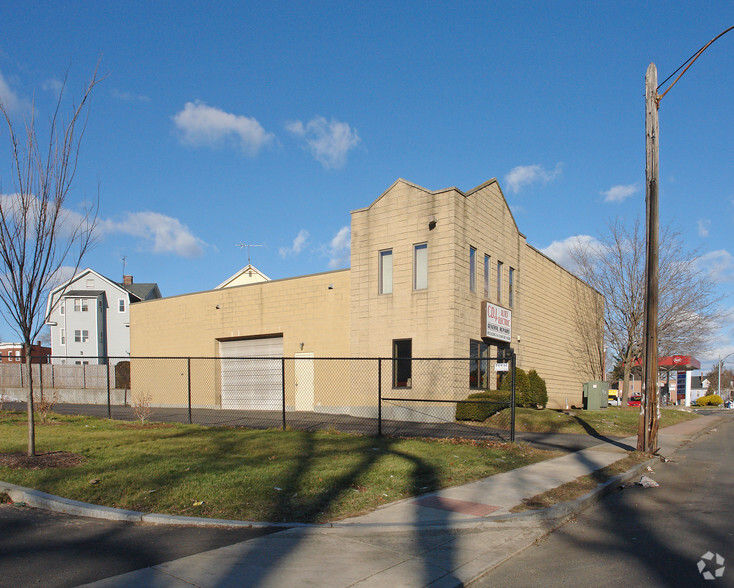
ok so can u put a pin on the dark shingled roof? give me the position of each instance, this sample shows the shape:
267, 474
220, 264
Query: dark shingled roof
142, 291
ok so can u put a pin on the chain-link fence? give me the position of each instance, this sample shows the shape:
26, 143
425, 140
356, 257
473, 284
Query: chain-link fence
431, 397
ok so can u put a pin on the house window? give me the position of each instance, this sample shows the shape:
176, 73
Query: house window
420, 266
62, 309
77, 304
402, 366
486, 276
81, 336
511, 285
121, 305
17, 356
472, 269
62, 332
499, 282
478, 365
386, 271
85, 305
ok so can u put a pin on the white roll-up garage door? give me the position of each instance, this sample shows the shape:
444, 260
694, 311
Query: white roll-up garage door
252, 377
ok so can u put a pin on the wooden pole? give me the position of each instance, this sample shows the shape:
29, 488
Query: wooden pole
647, 436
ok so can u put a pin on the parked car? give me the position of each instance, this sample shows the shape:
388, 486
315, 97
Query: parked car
614, 398
634, 401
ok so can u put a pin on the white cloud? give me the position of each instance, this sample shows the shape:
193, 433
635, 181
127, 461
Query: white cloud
340, 248
298, 244
9, 98
703, 227
53, 85
328, 141
129, 96
163, 234
205, 126
560, 251
719, 264
620, 193
524, 175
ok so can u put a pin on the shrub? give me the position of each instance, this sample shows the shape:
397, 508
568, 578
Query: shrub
523, 396
710, 400
538, 390
471, 411
122, 375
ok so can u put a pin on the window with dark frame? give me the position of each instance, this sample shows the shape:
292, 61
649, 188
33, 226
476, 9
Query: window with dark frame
511, 286
385, 277
420, 266
478, 365
402, 365
499, 282
486, 276
472, 269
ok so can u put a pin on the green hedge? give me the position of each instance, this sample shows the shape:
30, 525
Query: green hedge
710, 400
471, 411
530, 392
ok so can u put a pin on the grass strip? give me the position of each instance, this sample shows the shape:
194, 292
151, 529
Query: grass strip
243, 474
612, 421
581, 485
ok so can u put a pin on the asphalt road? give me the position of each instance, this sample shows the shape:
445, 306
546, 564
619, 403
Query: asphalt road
644, 537
42, 548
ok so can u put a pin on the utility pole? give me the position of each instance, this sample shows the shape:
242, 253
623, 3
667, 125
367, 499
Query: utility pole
647, 435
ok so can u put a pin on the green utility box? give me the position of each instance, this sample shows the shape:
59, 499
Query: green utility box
596, 395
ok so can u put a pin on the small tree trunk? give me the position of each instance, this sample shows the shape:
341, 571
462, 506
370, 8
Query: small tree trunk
31, 423
626, 383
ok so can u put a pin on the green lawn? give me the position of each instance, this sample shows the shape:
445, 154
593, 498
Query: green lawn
614, 421
246, 474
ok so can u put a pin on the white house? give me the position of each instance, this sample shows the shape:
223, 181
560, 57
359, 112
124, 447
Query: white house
89, 317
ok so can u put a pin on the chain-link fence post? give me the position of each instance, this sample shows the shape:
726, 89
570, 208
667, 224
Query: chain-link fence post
282, 380
513, 361
188, 378
379, 398
109, 399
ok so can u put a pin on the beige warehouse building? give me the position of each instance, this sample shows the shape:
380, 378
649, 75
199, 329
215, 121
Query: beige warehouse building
433, 274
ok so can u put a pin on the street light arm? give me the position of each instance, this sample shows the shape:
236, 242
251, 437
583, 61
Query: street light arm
691, 60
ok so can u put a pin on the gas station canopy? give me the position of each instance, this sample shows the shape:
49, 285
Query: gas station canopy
679, 363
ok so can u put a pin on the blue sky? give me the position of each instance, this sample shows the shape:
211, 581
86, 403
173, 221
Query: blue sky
266, 123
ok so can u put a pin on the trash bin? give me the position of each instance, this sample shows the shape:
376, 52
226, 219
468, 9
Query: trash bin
596, 395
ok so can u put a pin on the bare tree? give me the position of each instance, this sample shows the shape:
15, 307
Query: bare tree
688, 304
38, 232
587, 349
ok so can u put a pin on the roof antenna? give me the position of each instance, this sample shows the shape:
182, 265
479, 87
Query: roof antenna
243, 245
124, 259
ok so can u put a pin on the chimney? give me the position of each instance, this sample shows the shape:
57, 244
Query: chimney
127, 280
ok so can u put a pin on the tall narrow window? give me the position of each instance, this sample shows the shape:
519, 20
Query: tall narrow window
402, 366
77, 304
499, 282
62, 308
121, 305
511, 285
77, 336
478, 365
85, 305
386, 272
63, 336
472, 269
486, 276
420, 266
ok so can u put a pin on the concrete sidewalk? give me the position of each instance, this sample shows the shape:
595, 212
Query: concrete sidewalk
447, 538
